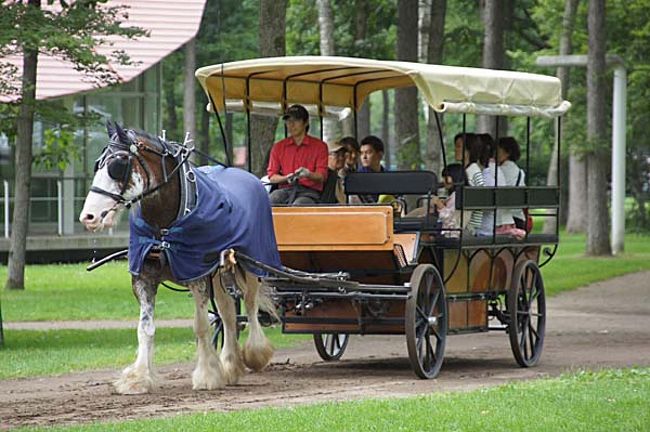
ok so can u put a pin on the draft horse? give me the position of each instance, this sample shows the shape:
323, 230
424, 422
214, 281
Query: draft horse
183, 221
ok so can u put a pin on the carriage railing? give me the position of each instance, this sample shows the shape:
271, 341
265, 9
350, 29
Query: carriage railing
504, 198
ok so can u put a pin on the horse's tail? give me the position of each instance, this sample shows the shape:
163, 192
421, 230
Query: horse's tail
265, 301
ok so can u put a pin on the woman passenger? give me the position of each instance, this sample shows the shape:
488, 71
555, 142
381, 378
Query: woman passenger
473, 160
508, 154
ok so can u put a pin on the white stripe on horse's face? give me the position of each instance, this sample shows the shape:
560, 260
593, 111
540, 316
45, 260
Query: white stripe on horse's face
99, 210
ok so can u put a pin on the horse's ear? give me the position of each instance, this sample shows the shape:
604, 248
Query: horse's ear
122, 135
110, 128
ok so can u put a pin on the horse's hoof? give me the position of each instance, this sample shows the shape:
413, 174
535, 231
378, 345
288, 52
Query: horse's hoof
233, 369
135, 380
204, 381
257, 356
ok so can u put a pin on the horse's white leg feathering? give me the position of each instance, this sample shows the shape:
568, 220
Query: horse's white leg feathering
258, 351
209, 371
231, 353
139, 377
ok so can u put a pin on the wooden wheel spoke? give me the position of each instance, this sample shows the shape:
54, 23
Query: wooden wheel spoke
434, 302
430, 354
533, 332
421, 314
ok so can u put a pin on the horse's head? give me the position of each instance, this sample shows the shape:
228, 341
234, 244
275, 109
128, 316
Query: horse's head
124, 172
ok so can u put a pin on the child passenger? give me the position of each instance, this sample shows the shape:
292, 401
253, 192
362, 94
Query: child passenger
453, 175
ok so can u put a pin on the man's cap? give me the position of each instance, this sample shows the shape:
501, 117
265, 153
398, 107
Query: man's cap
335, 146
297, 112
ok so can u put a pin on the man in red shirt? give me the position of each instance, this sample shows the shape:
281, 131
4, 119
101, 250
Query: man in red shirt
298, 164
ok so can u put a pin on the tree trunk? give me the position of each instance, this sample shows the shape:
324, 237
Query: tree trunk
171, 122
272, 44
577, 218
326, 28
435, 49
494, 57
598, 216
204, 139
360, 33
568, 22
189, 95
385, 127
23, 168
407, 136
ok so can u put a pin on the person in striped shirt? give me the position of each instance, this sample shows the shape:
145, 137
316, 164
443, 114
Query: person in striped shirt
469, 150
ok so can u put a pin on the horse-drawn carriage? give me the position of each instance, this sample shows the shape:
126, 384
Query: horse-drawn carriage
370, 269
332, 270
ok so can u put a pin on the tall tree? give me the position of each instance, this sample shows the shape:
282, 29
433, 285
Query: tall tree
596, 158
327, 48
189, 87
72, 32
272, 43
566, 46
360, 35
435, 49
406, 100
494, 55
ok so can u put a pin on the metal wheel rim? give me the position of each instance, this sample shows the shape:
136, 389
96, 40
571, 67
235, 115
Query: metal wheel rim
331, 346
527, 308
425, 337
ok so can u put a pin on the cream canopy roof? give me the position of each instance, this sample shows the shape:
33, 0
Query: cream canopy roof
346, 82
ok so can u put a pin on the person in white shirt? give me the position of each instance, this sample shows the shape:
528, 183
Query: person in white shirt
508, 153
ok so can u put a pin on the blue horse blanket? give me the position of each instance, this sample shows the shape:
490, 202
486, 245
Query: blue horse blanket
232, 211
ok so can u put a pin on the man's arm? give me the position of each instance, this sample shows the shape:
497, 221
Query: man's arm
273, 170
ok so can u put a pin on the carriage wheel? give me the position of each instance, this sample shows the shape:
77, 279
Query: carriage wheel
217, 323
426, 321
527, 309
331, 346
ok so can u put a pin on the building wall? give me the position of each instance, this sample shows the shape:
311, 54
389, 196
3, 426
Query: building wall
136, 104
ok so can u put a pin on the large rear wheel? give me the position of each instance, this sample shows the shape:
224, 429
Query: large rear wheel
527, 311
425, 321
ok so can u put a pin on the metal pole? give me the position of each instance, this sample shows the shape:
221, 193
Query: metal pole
618, 159
59, 207
7, 205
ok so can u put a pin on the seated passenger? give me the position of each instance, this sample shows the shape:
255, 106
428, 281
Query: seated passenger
508, 154
372, 151
452, 175
494, 176
352, 155
298, 164
333, 189
473, 158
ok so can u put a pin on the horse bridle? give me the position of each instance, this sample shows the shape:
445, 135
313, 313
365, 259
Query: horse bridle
116, 149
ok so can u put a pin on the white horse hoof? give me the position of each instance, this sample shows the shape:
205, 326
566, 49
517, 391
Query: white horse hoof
258, 355
233, 368
204, 381
134, 381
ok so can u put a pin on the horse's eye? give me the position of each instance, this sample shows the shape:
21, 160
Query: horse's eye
96, 166
118, 169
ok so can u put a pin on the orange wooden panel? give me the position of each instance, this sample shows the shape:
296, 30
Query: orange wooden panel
408, 243
457, 315
477, 313
333, 228
458, 281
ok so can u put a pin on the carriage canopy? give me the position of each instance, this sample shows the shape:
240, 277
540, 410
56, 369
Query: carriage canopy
330, 84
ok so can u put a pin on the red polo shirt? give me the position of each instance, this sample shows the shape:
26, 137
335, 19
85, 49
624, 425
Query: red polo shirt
286, 157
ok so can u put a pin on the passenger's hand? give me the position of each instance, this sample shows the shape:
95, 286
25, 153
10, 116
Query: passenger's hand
302, 172
292, 179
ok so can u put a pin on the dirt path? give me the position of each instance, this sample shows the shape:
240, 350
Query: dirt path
603, 325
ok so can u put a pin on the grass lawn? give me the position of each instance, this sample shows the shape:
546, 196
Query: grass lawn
587, 401
39, 353
571, 269
69, 292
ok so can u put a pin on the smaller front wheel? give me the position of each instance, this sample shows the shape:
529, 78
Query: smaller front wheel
425, 321
331, 346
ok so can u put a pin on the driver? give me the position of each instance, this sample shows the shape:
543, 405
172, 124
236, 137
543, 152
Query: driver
298, 164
